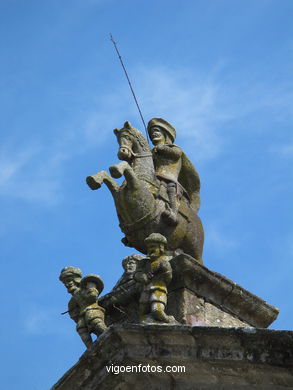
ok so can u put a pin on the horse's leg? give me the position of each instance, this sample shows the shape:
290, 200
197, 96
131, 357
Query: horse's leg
125, 169
95, 181
117, 170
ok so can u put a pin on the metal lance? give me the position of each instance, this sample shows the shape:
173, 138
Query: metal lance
135, 99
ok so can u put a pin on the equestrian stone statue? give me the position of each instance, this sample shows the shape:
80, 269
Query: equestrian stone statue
160, 193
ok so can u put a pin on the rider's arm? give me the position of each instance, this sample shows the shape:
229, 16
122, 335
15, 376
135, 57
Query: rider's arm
169, 151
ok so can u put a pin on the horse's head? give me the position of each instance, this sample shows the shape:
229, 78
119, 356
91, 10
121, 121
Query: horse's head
132, 143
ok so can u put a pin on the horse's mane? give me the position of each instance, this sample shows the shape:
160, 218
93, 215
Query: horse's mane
137, 134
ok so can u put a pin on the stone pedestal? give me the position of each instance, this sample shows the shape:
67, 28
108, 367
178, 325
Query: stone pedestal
149, 357
196, 296
217, 345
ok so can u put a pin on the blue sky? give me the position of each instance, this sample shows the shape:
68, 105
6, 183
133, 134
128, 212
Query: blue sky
219, 71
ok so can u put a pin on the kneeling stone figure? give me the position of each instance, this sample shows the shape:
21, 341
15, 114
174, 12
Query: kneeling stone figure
83, 307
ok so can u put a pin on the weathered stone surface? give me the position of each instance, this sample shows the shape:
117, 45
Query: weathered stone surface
83, 306
195, 311
220, 292
160, 193
214, 359
197, 296
154, 273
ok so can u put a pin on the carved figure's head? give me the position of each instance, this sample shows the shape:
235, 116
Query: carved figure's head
92, 282
129, 263
156, 244
71, 277
161, 132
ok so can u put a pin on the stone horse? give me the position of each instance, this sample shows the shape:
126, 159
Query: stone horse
142, 198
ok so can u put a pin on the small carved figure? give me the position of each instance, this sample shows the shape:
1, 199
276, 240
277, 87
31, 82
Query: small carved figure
173, 167
129, 264
154, 273
83, 307
122, 292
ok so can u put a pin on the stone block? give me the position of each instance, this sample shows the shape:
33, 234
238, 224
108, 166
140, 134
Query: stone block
214, 358
197, 296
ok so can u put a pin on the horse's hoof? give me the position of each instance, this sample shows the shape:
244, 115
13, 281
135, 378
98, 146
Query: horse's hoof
92, 183
115, 172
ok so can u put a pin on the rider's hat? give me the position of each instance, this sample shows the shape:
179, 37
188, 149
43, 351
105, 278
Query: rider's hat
70, 271
157, 238
94, 279
160, 122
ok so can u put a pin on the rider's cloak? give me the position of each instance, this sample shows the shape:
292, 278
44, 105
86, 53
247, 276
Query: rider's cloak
189, 179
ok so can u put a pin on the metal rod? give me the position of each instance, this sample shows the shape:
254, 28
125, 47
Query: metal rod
135, 99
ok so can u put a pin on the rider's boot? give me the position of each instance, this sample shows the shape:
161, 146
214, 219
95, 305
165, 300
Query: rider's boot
171, 215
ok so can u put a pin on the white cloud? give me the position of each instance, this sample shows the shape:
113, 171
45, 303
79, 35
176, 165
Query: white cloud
200, 107
282, 150
40, 320
37, 322
24, 174
286, 150
36, 173
10, 165
191, 104
111, 111
218, 239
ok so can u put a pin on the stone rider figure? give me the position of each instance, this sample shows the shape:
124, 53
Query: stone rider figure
173, 168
